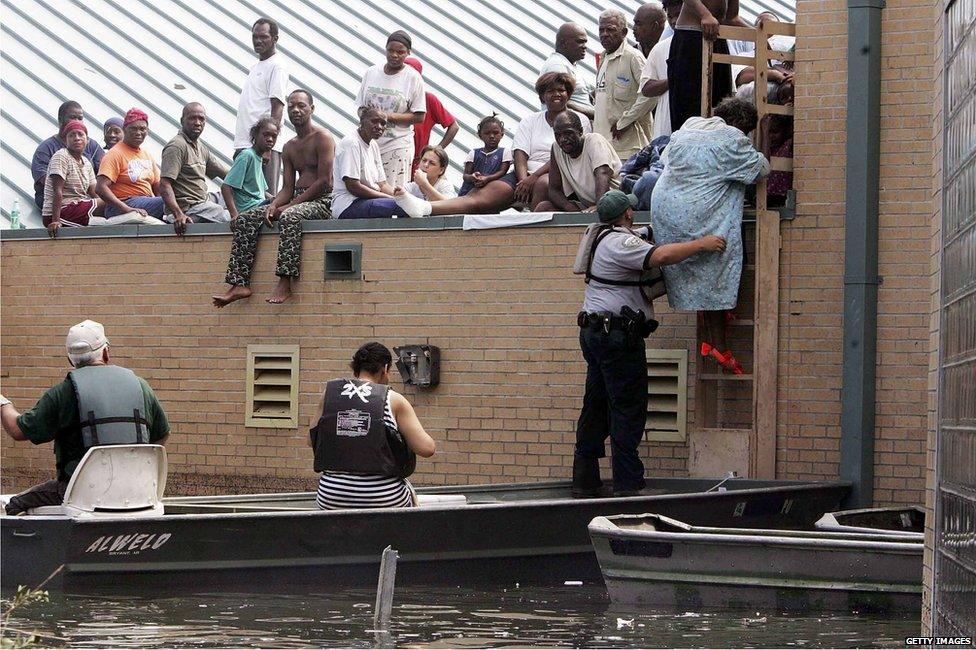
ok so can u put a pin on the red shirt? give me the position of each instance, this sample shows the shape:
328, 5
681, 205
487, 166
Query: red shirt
436, 114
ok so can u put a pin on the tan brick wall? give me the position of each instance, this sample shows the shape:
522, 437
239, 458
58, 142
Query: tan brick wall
935, 264
813, 251
500, 304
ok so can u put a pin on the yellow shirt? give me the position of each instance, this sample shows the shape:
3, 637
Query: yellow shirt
619, 101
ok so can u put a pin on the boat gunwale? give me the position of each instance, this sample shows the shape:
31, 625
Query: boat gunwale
741, 537
416, 512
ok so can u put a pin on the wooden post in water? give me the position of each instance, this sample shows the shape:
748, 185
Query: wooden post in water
384, 589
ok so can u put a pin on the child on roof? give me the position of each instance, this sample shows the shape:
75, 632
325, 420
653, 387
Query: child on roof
489, 163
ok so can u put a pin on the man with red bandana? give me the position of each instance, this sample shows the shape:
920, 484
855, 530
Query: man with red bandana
436, 114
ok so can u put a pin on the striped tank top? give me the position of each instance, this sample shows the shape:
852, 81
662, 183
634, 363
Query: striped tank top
340, 490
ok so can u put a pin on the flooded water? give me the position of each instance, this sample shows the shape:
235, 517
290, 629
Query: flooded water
571, 616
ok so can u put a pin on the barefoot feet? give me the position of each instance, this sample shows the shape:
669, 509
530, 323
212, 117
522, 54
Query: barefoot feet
282, 291
236, 292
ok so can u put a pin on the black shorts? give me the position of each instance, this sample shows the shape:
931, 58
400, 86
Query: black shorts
685, 79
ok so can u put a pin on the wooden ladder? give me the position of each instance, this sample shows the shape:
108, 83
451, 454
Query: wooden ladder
765, 321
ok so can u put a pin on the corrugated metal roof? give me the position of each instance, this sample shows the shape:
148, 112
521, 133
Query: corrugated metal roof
111, 55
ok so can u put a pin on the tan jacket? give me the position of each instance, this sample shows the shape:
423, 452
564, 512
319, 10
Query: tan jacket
619, 100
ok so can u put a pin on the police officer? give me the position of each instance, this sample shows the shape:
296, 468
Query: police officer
616, 318
96, 404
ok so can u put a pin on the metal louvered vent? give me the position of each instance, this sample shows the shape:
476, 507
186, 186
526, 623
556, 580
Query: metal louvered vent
272, 386
667, 395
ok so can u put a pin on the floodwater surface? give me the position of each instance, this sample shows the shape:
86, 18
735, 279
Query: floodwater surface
568, 616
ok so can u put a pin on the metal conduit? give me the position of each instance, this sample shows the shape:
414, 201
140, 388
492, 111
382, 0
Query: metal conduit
861, 248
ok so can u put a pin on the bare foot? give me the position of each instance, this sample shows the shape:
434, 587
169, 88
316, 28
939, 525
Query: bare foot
236, 292
282, 291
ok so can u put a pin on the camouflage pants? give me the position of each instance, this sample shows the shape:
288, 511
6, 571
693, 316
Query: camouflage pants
247, 226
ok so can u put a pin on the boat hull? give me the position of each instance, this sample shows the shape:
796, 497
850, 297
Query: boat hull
699, 568
504, 534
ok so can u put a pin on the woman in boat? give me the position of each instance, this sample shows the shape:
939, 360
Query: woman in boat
366, 438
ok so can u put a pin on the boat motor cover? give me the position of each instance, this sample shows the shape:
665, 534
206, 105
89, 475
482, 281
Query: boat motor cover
111, 406
352, 434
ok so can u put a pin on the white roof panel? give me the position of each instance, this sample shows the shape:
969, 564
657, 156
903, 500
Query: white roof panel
479, 57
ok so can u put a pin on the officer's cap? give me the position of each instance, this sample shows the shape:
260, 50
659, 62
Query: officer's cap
613, 204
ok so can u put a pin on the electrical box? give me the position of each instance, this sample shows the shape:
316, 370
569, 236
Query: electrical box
419, 365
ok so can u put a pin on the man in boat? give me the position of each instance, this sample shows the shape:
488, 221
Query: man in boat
367, 437
616, 318
96, 404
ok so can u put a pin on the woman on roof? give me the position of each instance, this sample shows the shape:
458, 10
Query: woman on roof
534, 138
529, 183
397, 90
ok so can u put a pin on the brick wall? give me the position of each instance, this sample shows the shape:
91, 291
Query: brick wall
500, 304
813, 251
935, 264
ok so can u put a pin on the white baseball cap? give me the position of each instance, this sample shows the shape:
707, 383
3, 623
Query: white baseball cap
86, 336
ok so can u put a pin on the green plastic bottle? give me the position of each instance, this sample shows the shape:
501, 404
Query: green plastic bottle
15, 215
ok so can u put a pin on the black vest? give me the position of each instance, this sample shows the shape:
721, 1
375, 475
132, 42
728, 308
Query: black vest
352, 436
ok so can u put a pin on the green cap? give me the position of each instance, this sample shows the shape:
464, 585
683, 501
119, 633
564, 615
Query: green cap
613, 204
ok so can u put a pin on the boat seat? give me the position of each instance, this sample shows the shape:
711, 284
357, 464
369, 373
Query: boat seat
428, 500
115, 481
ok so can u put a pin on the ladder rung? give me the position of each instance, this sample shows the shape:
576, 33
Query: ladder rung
719, 376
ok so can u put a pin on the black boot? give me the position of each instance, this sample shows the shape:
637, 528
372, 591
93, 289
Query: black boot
586, 478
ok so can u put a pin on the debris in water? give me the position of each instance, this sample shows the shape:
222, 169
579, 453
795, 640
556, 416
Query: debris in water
622, 623
573, 583
754, 621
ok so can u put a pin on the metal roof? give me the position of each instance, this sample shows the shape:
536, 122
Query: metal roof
111, 55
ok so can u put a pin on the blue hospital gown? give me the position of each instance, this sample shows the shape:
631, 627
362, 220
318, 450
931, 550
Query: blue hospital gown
707, 166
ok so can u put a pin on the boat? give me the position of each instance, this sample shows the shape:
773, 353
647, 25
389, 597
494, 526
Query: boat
532, 533
908, 521
652, 560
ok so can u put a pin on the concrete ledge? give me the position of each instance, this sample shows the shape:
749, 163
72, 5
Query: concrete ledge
324, 225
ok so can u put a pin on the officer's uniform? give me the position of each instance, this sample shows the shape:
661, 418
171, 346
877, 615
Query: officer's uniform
615, 401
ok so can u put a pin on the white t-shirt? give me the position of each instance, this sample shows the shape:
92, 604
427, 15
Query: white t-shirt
534, 136
354, 159
656, 67
559, 63
402, 92
443, 186
267, 79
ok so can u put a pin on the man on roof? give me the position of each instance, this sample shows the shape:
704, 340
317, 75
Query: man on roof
570, 48
309, 156
263, 94
186, 164
698, 20
622, 112
583, 167
68, 111
436, 114
96, 404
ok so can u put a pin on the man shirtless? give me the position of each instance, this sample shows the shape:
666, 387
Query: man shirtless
310, 154
698, 19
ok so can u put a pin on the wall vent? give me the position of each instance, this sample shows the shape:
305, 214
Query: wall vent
272, 386
343, 261
667, 396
